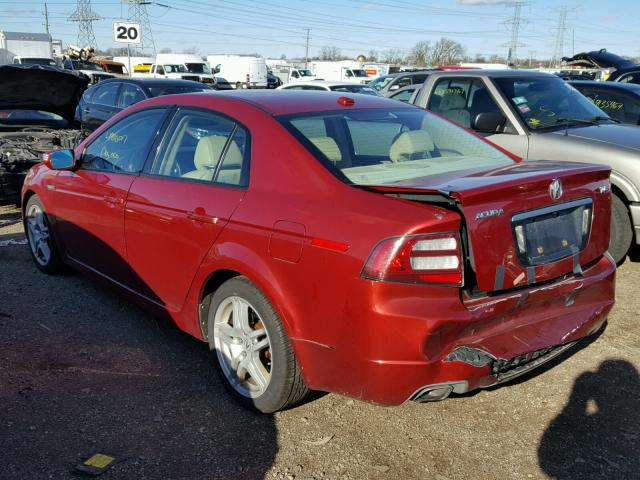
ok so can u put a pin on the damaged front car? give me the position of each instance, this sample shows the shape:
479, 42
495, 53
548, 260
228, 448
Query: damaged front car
37, 107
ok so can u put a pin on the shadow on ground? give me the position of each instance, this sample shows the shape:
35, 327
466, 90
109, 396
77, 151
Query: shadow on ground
83, 372
597, 435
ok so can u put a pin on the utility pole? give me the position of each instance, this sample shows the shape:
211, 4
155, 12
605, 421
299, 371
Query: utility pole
561, 29
46, 18
306, 52
85, 16
516, 22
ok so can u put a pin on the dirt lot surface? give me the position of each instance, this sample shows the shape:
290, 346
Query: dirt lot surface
82, 372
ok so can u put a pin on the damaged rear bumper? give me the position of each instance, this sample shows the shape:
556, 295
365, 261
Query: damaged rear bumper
427, 348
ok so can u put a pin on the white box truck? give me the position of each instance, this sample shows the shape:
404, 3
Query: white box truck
26, 48
340, 71
292, 74
241, 71
182, 65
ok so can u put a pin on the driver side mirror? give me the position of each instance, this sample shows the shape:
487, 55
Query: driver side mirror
217, 69
60, 160
393, 88
489, 122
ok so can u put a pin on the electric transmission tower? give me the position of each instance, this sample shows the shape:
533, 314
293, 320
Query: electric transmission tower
138, 14
558, 51
85, 16
516, 22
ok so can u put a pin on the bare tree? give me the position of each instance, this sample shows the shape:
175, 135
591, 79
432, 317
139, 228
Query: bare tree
393, 55
446, 52
420, 53
191, 50
165, 50
373, 56
330, 53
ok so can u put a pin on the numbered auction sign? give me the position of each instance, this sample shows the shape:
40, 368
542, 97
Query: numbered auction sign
126, 32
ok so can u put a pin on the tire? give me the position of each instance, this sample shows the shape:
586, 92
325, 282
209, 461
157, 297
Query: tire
42, 245
252, 352
621, 229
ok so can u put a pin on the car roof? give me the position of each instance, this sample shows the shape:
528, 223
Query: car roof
324, 83
149, 82
630, 87
493, 73
287, 102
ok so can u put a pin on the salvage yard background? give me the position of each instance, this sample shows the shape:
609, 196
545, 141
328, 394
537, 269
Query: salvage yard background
82, 372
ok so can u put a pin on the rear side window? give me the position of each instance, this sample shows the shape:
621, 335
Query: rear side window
106, 94
130, 94
618, 105
203, 146
383, 147
123, 147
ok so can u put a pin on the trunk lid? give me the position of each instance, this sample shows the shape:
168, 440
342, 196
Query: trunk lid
521, 229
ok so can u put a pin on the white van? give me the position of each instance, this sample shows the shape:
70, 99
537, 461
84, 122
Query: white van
241, 71
341, 71
292, 74
182, 65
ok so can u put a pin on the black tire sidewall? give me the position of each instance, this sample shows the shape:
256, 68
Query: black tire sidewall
277, 393
621, 229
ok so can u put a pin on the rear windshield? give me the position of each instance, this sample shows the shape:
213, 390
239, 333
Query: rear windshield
354, 88
386, 147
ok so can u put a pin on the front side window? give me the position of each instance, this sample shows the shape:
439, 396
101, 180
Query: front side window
619, 105
462, 99
391, 147
404, 95
122, 148
548, 102
202, 146
630, 78
380, 82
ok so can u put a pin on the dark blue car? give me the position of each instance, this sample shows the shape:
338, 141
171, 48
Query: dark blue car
621, 101
103, 100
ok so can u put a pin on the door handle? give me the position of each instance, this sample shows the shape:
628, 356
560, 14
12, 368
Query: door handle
200, 217
113, 200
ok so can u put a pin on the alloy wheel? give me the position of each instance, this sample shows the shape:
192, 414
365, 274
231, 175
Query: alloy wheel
38, 234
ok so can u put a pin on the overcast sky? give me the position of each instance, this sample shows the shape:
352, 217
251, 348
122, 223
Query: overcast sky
277, 27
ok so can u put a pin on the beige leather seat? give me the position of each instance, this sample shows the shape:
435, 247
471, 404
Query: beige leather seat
452, 106
411, 145
206, 158
328, 147
231, 165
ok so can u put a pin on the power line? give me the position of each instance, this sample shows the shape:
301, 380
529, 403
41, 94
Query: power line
558, 51
85, 16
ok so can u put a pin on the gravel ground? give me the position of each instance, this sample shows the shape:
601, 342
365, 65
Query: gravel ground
82, 372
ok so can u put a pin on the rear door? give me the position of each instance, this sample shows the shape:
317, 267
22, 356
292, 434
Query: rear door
90, 201
178, 207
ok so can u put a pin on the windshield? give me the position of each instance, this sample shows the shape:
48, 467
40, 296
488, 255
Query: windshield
380, 82
391, 147
355, 88
548, 102
305, 73
198, 68
159, 90
359, 73
175, 69
80, 65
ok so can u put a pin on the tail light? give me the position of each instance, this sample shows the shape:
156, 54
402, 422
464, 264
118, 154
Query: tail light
425, 258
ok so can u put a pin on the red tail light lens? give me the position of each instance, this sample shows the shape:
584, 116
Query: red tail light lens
429, 258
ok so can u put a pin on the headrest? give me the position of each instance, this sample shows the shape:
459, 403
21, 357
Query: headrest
328, 147
452, 100
208, 152
409, 143
233, 157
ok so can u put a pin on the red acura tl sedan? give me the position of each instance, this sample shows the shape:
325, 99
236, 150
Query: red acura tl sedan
316, 241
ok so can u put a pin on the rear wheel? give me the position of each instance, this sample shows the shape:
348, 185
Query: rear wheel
39, 237
254, 357
621, 229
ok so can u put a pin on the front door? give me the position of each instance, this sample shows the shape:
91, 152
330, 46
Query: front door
177, 208
90, 201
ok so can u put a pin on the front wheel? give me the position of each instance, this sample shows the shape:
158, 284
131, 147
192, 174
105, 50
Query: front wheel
40, 239
621, 229
254, 357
